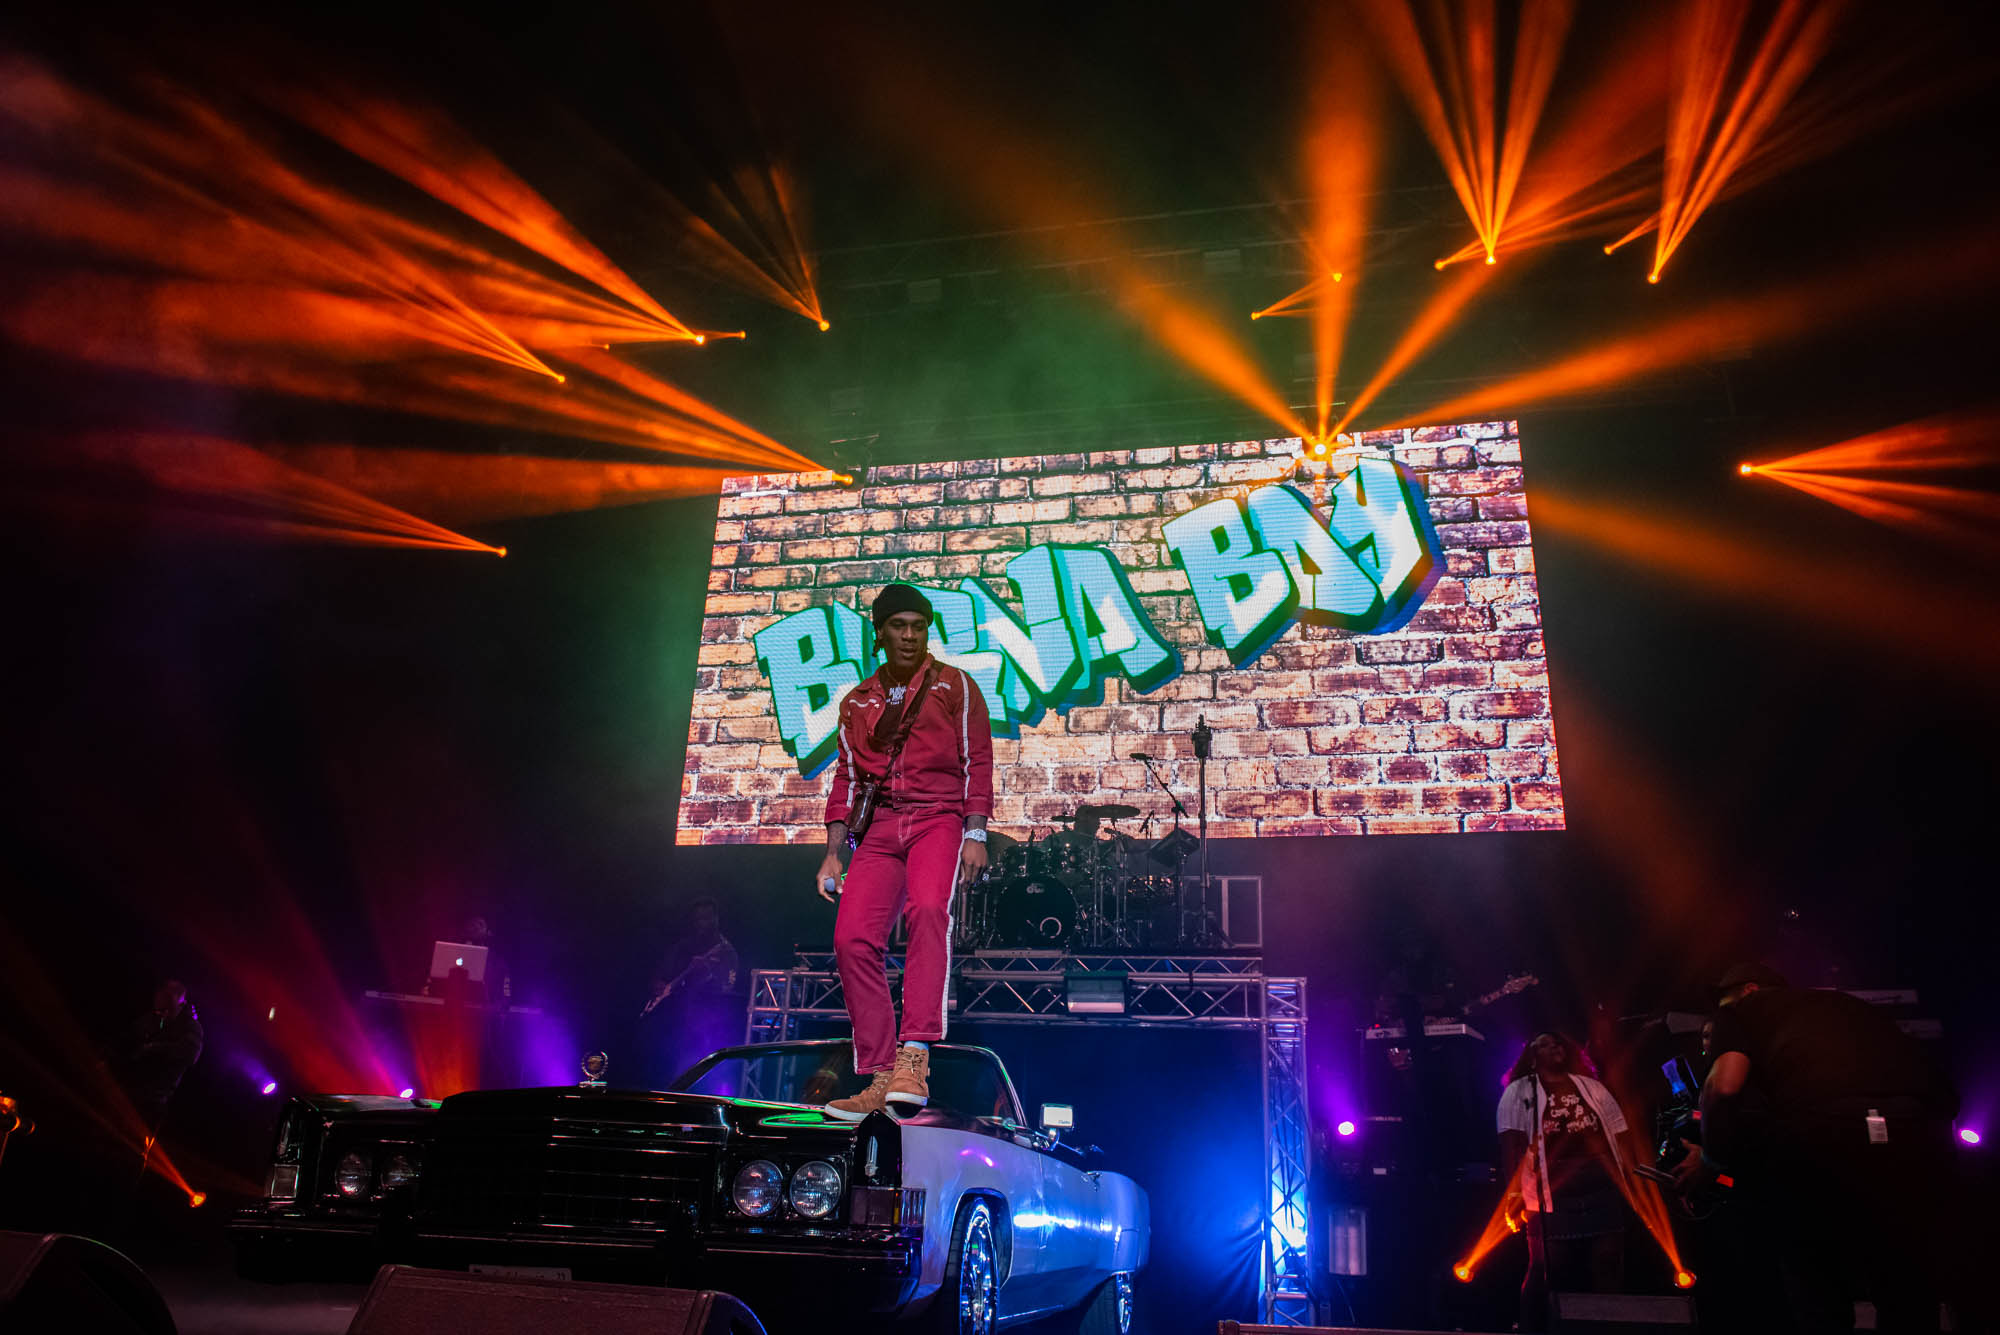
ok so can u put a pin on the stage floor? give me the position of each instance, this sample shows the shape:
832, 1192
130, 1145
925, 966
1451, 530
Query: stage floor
210, 1299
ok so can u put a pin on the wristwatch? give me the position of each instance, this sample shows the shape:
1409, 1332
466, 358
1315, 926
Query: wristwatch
976, 836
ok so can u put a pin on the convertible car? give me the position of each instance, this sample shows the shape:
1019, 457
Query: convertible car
963, 1217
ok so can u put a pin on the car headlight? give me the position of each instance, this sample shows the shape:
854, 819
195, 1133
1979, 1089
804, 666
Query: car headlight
398, 1170
815, 1189
355, 1173
757, 1187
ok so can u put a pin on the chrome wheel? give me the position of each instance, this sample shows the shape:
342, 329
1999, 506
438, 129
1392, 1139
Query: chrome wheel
978, 1275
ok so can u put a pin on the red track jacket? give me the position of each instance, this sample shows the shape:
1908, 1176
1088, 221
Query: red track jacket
947, 758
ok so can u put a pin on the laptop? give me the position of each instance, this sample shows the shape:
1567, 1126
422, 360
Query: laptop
447, 956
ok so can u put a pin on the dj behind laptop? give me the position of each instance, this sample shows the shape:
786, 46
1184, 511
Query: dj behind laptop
457, 969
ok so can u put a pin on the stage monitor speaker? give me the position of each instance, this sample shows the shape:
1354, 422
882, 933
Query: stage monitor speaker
54, 1283
406, 1300
1621, 1313
1239, 1328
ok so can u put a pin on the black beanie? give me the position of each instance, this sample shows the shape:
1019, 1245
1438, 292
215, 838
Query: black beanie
896, 598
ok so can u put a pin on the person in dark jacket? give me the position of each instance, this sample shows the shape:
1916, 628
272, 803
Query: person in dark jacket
1836, 1130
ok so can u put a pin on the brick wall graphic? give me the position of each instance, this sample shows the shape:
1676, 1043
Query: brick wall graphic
1363, 634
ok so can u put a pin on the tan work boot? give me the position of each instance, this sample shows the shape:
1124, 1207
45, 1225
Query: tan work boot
857, 1106
910, 1088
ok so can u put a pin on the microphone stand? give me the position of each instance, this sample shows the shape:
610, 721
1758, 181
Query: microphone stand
1179, 810
1203, 739
1180, 866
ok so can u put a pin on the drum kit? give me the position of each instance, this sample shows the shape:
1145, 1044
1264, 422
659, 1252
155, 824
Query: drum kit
1084, 885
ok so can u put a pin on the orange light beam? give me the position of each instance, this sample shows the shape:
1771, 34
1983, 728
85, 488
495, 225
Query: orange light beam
1955, 262
1558, 220
87, 1087
1698, 163
286, 224
1438, 315
1951, 440
1010, 175
127, 322
482, 488
1448, 77
1199, 341
1299, 301
1937, 625
637, 382
1342, 147
427, 150
1538, 46
1643, 1195
1497, 1229
1957, 514
295, 503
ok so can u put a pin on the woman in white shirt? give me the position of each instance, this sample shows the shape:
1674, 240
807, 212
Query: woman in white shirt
1560, 1134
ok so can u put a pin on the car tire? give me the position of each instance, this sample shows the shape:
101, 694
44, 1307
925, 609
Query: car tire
1109, 1311
968, 1302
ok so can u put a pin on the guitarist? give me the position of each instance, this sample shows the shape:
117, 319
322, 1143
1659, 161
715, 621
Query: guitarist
694, 1003
912, 791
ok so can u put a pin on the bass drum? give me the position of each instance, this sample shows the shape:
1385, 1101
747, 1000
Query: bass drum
1035, 913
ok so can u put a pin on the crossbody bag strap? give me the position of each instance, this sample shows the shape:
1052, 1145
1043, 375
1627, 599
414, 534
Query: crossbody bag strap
910, 707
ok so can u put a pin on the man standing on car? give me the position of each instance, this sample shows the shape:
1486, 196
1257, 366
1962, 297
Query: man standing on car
925, 836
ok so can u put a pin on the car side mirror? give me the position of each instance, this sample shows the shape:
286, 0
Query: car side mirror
1058, 1118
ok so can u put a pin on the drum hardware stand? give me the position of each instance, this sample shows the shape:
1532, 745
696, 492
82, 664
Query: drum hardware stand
1204, 738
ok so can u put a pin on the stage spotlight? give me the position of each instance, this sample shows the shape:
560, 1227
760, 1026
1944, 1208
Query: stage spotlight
1346, 1127
1683, 1279
407, 1094
1463, 1272
1653, 277
1094, 993
1319, 448
824, 326
1489, 258
843, 479
700, 339
273, 1014
196, 1199
1746, 469
270, 1087
1969, 1136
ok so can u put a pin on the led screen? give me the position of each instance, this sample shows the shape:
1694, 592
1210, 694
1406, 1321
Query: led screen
1362, 633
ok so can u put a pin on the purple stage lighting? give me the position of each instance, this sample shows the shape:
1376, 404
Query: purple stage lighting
1346, 1128
407, 1094
270, 1087
1968, 1135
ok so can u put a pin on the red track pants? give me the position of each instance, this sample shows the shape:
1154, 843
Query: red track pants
908, 857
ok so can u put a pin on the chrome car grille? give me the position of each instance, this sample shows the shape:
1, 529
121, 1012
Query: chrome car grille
591, 1178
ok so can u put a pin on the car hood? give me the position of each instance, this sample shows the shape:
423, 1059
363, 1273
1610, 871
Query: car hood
697, 1116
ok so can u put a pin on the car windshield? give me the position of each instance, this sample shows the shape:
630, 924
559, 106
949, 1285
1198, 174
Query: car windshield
965, 1081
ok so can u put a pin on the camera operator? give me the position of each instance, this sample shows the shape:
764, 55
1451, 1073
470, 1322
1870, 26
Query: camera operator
1846, 1170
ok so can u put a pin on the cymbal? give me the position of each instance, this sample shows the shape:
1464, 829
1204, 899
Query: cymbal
1111, 811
